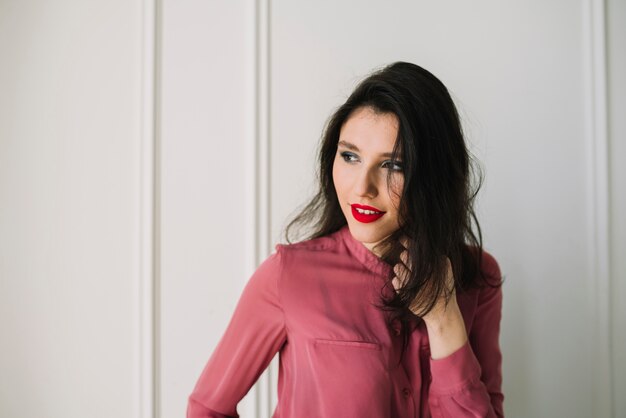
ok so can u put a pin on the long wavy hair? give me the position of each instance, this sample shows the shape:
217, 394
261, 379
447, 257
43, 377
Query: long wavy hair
436, 208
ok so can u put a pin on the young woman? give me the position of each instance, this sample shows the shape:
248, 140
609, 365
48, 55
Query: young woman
390, 307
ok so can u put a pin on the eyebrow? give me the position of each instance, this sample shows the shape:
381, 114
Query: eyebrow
353, 147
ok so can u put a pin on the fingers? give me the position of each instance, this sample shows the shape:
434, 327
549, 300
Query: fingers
404, 240
401, 270
400, 275
450, 275
396, 283
404, 256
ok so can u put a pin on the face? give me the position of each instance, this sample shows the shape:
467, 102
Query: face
360, 170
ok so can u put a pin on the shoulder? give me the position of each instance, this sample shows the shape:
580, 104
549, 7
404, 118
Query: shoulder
490, 291
490, 268
482, 266
287, 259
319, 244
308, 255
485, 284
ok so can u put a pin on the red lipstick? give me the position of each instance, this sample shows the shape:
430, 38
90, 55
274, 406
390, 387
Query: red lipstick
366, 217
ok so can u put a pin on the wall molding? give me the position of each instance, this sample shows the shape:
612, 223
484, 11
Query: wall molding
145, 322
265, 386
595, 74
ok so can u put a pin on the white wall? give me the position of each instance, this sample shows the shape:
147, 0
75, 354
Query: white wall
243, 89
69, 134
207, 127
518, 72
522, 74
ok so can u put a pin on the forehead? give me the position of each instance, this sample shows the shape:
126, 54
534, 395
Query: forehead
369, 132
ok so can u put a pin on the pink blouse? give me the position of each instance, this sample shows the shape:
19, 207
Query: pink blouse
312, 302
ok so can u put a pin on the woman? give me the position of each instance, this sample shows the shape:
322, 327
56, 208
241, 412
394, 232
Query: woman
390, 308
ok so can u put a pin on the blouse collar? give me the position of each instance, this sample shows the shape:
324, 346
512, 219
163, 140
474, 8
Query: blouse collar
359, 251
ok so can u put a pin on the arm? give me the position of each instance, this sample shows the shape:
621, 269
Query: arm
468, 381
255, 333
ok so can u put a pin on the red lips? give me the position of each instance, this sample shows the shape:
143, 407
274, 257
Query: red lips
365, 218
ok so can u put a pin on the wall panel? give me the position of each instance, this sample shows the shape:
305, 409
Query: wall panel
207, 200
616, 63
69, 169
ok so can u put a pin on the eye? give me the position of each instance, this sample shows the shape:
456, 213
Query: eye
394, 165
347, 156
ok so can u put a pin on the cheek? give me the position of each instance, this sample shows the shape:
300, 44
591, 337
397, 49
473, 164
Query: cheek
395, 191
337, 177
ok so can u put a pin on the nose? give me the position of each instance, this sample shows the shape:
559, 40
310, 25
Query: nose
366, 184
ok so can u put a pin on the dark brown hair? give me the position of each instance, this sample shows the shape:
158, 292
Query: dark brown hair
436, 207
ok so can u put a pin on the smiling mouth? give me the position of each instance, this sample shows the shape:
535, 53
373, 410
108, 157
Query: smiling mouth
366, 214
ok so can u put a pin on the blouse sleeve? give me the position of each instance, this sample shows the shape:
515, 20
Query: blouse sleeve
255, 333
468, 382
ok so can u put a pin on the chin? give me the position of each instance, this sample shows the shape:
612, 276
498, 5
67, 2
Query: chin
362, 234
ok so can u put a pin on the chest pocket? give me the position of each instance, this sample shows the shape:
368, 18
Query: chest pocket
345, 343
351, 377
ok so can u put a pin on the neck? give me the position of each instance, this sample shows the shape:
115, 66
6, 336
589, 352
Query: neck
375, 248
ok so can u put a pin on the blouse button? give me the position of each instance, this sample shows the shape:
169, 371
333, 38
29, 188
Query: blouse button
406, 392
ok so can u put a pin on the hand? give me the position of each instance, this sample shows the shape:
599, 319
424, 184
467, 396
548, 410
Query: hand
441, 307
444, 322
